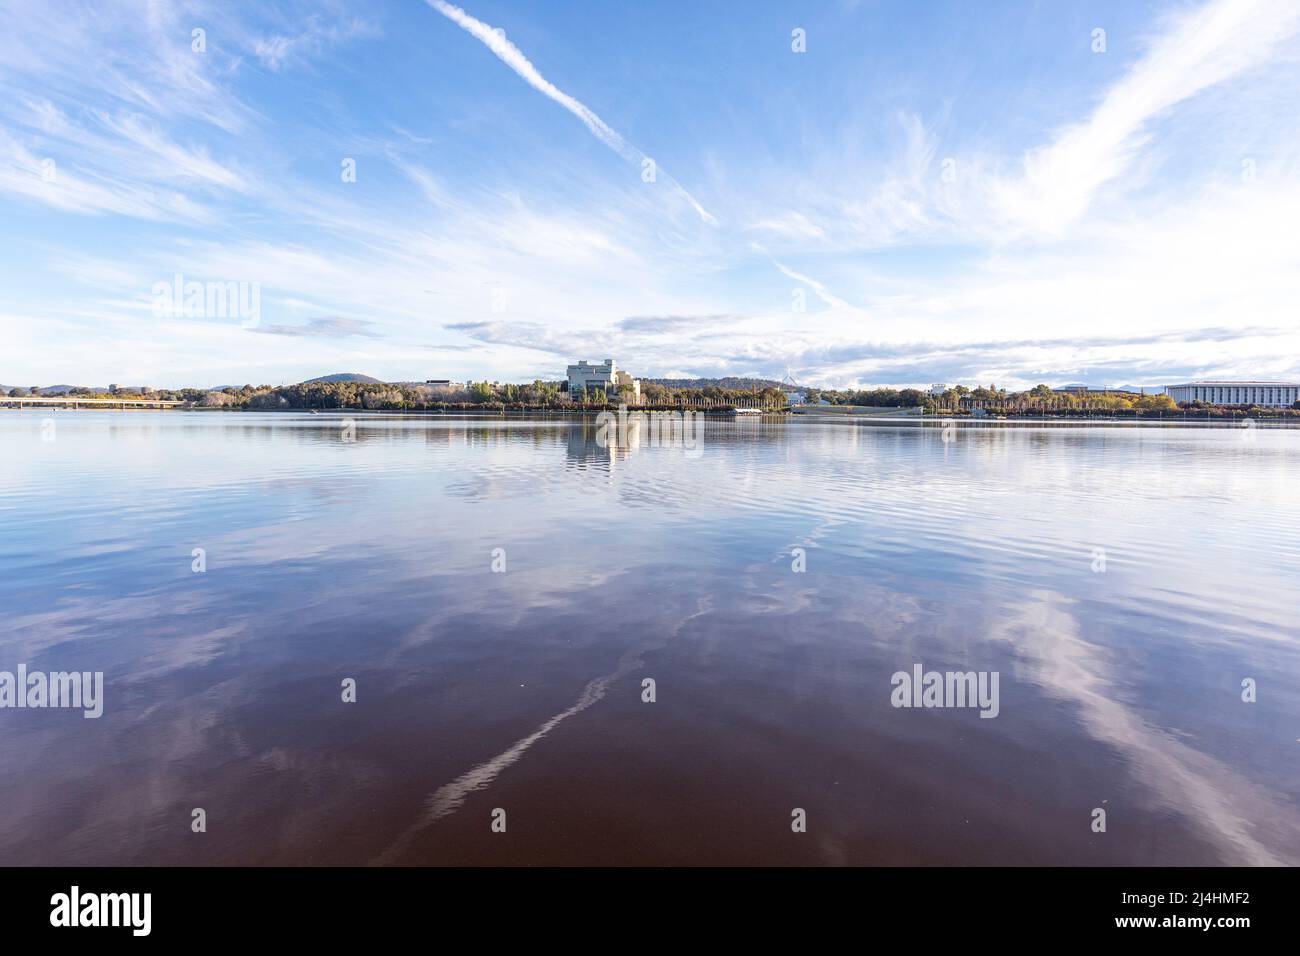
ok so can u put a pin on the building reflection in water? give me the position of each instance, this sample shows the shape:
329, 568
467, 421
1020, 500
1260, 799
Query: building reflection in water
613, 436
590, 447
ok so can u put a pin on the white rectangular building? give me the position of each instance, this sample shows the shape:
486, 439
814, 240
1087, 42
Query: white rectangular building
1275, 394
606, 376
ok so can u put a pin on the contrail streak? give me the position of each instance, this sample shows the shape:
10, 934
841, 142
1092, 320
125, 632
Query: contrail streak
449, 798
513, 57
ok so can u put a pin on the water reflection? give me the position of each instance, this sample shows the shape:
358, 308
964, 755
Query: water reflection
584, 451
629, 559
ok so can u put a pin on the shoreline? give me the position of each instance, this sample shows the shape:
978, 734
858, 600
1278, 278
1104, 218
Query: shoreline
716, 414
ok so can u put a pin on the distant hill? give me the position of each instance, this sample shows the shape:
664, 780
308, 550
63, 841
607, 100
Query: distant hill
728, 382
1149, 389
344, 377
64, 389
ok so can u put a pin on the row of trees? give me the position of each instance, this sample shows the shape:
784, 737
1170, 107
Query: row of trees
957, 400
1041, 400
373, 395
382, 396
871, 397
652, 393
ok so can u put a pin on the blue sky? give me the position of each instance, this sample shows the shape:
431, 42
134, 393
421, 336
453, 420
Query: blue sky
928, 193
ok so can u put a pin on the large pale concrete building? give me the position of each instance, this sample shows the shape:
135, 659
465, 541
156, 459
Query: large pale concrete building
1279, 394
1262, 393
605, 376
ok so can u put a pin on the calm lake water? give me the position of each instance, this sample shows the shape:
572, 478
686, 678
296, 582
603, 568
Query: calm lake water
521, 690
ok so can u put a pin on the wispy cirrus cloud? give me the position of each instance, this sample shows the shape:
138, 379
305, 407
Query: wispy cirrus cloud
933, 189
158, 157
309, 37
1198, 48
329, 326
43, 180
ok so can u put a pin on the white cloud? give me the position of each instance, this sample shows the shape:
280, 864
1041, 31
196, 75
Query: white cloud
25, 174
310, 37
1201, 47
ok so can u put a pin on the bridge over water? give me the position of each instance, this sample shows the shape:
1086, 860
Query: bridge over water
75, 401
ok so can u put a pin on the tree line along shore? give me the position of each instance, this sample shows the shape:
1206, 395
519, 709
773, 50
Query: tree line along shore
957, 401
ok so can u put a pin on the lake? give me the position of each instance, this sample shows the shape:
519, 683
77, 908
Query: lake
449, 640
